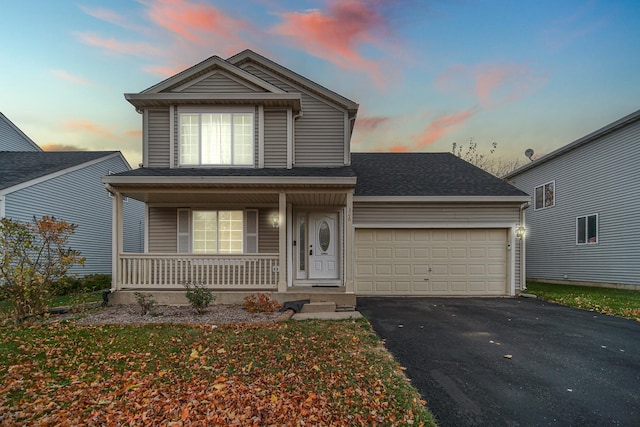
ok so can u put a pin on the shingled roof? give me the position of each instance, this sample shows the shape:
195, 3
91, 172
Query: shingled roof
424, 174
17, 167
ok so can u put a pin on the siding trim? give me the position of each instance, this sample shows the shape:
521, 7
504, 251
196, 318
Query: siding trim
505, 225
347, 140
146, 228
172, 139
260, 136
290, 137
211, 73
392, 199
145, 137
45, 178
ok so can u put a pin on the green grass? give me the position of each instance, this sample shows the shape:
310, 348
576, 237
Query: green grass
60, 301
615, 302
316, 372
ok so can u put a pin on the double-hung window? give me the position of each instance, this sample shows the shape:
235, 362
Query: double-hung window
587, 229
545, 195
216, 138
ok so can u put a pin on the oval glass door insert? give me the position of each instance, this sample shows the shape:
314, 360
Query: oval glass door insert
324, 236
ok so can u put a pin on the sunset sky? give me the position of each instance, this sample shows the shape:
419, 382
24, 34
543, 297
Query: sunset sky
426, 73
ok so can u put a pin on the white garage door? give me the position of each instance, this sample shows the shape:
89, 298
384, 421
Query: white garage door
431, 262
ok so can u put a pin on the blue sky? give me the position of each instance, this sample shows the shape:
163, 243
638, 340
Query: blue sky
524, 74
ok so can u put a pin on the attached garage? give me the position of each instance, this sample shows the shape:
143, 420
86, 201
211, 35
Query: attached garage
452, 261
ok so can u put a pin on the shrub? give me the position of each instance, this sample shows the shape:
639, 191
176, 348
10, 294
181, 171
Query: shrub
199, 297
34, 256
145, 301
68, 285
262, 303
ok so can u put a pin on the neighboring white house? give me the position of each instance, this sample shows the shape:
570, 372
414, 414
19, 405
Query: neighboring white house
250, 184
66, 185
583, 222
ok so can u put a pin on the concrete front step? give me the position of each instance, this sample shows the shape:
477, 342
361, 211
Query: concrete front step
319, 307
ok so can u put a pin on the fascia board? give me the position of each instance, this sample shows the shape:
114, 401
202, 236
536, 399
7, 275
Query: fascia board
140, 100
301, 80
61, 172
207, 63
439, 199
229, 180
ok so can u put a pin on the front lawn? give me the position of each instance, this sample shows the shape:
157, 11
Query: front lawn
616, 302
292, 373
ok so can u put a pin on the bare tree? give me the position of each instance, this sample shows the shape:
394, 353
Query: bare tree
498, 166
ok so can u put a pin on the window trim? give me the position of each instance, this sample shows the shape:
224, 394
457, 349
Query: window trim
543, 186
586, 234
215, 110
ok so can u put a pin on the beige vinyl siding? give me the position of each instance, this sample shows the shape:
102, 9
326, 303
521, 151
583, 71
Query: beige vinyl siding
378, 213
158, 139
275, 138
267, 235
220, 83
163, 231
319, 133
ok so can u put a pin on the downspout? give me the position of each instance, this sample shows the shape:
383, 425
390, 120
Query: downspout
523, 249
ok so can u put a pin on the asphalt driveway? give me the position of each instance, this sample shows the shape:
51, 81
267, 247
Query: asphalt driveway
563, 366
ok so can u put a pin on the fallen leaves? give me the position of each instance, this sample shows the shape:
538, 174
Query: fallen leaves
311, 373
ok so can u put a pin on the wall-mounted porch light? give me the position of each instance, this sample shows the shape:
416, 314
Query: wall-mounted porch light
521, 231
275, 220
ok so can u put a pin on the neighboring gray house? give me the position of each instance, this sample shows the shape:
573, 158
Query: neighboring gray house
67, 185
583, 222
250, 185
13, 139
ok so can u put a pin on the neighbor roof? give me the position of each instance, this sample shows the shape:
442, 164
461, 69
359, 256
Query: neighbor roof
17, 167
424, 175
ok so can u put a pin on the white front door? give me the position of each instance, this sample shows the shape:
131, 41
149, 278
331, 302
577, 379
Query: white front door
323, 245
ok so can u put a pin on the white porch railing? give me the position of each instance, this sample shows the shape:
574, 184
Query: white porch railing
163, 271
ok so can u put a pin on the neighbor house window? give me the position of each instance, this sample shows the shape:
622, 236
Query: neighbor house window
206, 231
545, 195
216, 139
587, 229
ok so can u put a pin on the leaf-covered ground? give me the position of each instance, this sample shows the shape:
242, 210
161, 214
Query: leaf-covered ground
614, 302
292, 373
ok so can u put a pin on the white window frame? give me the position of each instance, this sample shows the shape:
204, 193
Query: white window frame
216, 110
586, 230
544, 199
185, 234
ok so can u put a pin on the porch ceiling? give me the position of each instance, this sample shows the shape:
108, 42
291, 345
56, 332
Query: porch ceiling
245, 196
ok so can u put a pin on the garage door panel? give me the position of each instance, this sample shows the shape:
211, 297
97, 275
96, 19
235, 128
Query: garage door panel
431, 261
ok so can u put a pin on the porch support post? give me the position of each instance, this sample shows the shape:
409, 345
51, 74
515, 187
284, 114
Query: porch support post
116, 240
349, 283
282, 249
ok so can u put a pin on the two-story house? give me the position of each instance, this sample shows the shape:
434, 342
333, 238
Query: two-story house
250, 185
586, 207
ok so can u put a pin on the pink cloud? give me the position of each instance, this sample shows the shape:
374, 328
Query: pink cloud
78, 125
493, 85
52, 146
440, 127
114, 46
111, 17
399, 149
336, 35
133, 132
72, 78
199, 23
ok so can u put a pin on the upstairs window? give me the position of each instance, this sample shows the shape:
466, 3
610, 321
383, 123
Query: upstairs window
587, 229
216, 139
545, 196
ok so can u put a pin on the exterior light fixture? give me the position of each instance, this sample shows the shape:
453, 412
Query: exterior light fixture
521, 230
275, 220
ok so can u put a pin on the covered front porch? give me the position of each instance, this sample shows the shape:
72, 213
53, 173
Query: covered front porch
278, 220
